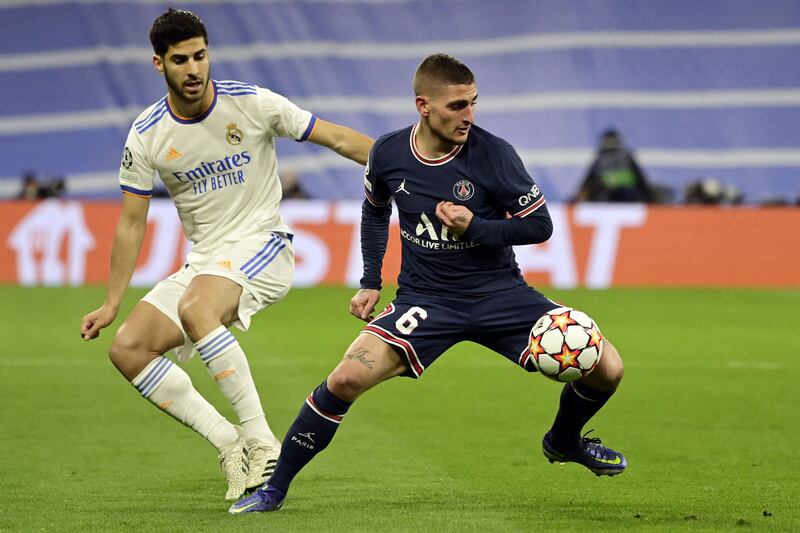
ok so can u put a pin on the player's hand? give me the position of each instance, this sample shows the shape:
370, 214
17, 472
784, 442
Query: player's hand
363, 303
97, 320
455, 218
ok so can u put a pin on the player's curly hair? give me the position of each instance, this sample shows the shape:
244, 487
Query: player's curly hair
174, 26
441, 69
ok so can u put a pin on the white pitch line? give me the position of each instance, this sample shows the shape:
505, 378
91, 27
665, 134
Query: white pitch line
29, 362
754, 365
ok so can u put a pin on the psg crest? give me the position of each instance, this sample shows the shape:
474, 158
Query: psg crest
463, 189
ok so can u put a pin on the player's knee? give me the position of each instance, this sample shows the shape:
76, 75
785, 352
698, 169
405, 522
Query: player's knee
346, 385
128, 353
192, 313
615, 368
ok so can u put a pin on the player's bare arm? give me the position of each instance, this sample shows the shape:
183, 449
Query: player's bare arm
342, 140
455, 218
363, 303
128, 239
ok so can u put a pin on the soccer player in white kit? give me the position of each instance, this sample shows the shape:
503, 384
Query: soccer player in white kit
213, 145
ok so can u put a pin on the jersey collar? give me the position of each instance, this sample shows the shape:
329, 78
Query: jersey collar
430, 162
183, 120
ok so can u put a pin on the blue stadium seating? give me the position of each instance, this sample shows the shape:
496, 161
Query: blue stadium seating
706, 88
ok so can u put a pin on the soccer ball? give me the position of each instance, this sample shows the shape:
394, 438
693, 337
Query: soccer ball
565, 344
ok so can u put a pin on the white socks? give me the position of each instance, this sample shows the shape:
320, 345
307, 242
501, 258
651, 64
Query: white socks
170, 389
227, 364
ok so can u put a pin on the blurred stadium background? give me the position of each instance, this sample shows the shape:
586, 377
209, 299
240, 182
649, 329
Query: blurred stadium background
698, 89
699, 299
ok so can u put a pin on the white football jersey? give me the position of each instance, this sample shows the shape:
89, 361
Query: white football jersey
220, 168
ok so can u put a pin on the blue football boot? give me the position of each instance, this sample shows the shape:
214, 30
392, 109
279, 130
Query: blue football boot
260, 501
600, 459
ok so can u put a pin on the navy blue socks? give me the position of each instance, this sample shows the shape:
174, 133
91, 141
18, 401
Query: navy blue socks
309, 434
578, 404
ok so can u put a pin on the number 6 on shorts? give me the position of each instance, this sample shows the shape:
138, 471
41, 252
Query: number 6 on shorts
408, 322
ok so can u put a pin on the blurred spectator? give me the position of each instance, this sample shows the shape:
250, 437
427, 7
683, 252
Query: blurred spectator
30, 187
54, 188
33, 189
614, 175
290, 185
711, 191
774, 201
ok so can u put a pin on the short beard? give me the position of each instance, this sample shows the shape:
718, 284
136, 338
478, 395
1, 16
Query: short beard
177, 89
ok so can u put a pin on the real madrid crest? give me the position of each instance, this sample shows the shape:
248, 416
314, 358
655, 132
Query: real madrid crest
463, 189
234, 135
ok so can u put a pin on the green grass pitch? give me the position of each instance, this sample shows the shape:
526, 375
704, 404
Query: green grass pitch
707, 415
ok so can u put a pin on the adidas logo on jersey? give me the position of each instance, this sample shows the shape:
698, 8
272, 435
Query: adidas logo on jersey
173, 154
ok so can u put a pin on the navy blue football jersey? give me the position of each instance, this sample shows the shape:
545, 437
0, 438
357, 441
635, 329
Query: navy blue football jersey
486, 175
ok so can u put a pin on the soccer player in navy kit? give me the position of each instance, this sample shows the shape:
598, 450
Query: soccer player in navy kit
455, 186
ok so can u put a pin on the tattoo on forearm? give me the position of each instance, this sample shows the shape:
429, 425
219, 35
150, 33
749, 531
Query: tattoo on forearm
360, 355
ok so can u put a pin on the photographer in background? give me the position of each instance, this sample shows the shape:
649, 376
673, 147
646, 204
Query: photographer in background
614, 175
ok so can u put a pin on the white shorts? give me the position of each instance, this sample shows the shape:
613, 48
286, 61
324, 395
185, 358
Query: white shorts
262, 264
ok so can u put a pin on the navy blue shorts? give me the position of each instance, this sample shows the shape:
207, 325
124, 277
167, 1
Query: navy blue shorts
421, 327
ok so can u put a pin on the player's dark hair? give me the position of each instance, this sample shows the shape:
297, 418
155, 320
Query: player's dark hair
441, 69
174, 26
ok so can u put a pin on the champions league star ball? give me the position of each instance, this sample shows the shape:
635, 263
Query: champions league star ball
565, 344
